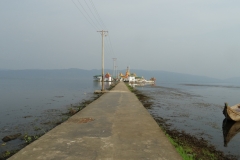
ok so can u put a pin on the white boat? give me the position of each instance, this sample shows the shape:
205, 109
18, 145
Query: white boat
149, 81
97, 78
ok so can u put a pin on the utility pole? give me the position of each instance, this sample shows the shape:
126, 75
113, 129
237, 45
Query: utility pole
103, 33
117, 72
114, 69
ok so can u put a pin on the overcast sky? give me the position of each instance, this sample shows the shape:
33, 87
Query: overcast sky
199, 37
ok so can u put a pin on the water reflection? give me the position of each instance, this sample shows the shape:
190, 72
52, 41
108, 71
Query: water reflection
141, 84
230, 129
97, 84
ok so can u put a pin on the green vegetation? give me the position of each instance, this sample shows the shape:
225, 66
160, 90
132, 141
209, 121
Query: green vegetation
208, 154
7, 154
37, 128
29, 139
130, 87
185, 152
192, 148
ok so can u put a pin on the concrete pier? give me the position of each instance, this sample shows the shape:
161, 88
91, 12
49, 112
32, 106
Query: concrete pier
115, 126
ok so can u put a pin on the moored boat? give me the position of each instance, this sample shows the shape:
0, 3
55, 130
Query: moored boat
232, 113
97, 78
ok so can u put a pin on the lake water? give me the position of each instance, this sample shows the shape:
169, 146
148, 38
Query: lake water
197, 110
34, 105
28, 104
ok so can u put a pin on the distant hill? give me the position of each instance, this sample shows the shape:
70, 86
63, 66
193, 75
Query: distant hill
161, 76
64, 73
234, 80
55, 73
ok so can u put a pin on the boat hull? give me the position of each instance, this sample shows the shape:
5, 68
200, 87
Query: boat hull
232, 113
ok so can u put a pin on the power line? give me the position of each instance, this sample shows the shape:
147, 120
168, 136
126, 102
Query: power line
93, 14
97, 13
87, 13
84, 15
109, 47
97, 21
110, 43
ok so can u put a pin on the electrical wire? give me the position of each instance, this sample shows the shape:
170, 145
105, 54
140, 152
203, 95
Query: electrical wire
87, 13
93, 14
110, 43
109, 39
97, 14
84, 15
95, 24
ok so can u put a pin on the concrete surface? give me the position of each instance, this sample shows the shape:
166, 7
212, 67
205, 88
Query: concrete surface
115, 126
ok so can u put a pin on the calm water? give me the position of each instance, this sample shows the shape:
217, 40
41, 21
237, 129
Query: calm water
28, 104
32, 106
197, 109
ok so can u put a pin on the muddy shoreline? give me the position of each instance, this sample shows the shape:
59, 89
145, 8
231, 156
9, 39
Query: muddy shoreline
200, 148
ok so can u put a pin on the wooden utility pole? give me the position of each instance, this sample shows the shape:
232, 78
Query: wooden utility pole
116, 72
114, 69
103, 33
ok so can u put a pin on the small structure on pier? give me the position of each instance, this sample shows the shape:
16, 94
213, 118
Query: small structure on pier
108, 78
134, 79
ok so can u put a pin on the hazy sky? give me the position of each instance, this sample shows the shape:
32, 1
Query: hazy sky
200, 37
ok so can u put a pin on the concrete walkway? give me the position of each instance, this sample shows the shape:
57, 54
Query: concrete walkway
115, 126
